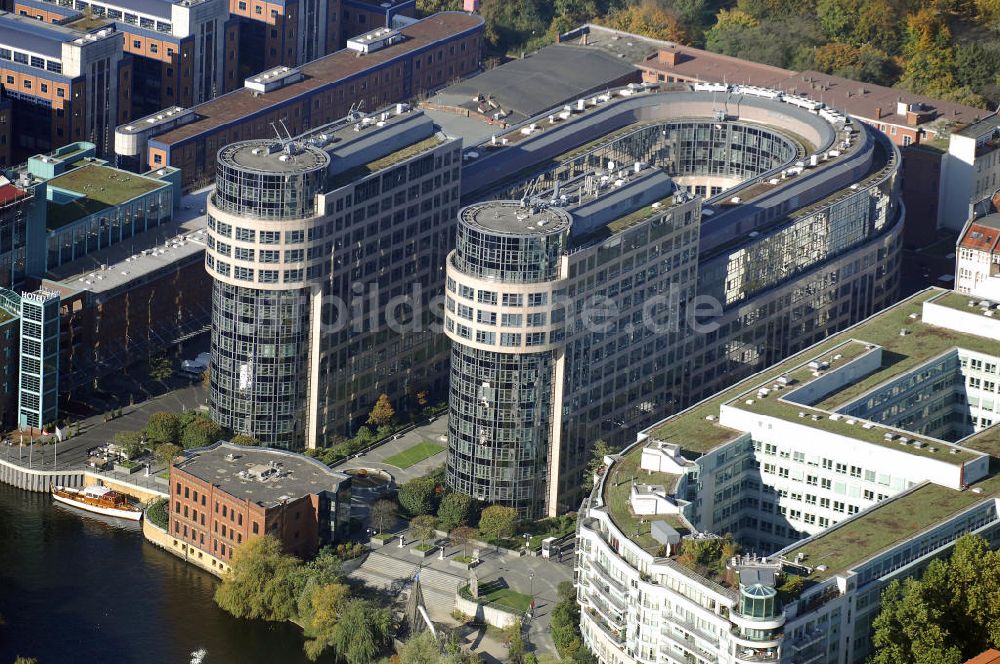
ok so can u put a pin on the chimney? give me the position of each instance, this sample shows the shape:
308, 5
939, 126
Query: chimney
878, 112
668, 57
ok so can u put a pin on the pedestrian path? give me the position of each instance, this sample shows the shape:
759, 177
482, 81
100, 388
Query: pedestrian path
389, 573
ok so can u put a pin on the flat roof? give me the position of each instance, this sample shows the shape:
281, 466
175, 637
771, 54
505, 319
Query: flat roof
136, 258
711, 67
696, 435
267, 156
221, 464
885, 524
242, 103
33, 35
862, 99
987, 125
102, 186
554, 75
511, 218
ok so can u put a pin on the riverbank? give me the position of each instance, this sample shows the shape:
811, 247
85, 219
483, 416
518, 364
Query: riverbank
76, 587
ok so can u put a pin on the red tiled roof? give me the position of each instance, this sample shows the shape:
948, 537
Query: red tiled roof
980, 237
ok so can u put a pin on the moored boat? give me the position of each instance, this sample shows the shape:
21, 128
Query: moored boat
100, 500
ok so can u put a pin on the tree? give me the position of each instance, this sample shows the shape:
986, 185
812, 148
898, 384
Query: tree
166, 452
457, 509
928, 56
361, 632
200, 431
514, 641
163, 427
948, 615
420, 649
650, 18
130, 443
160, 368
382, 412
596, 465
384, 514
418, 496
243, 439
498, 522
423, 526
428, 7
564, 622
319, 613
259, 584
462, 536
25, 660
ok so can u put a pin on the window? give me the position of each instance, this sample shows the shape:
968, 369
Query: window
512, 300
154, 48
243, 6
257, 9
136, 43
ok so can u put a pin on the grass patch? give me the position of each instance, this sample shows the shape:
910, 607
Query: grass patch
383, 537
499, 595
414, 454
616, 493
424, 547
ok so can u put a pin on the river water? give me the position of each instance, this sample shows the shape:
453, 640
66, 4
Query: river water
79, 589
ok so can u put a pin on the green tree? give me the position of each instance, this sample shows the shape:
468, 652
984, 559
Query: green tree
837, 17
160, 368
428, 7
361, 632
260, 584
498, 522
382, 412
243, 439
25, 660
596, 464
163, 427
418, 496
165, 453
420, 649
457, 509
130, 443
200, 431
423, 526
514, 640
319, 611
383, 514
564, 622
927, 52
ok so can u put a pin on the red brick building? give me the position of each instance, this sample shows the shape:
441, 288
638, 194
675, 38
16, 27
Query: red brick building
223, 495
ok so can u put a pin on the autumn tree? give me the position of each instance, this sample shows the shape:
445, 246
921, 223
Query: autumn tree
423, 526
382, 412
318, 615
166, 452
927, 51
420, 649
649, 18
462, 536
245, 440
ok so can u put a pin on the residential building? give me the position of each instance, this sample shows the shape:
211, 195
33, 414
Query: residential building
22, 224
10, 330
184, 52
970, 170
977, 254
38, 390
65, 85
788, 221
430, 53
224, 495
854, 463
314, 244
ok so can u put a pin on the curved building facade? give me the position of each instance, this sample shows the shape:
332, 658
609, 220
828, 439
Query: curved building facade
261, 226
712, 233
507, 270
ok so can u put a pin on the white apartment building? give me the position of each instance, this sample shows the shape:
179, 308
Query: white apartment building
852, 463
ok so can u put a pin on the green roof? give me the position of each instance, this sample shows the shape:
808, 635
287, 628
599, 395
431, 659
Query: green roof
388, 160
853, 541
696, 435
103, 187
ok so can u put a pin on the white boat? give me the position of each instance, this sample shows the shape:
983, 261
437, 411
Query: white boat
100, 500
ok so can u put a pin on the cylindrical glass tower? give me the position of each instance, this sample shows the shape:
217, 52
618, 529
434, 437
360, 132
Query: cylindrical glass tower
261, 219
504, 280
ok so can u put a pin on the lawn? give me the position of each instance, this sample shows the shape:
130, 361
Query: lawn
498, 594
414, 454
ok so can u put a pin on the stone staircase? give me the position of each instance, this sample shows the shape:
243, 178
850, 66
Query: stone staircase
388, 573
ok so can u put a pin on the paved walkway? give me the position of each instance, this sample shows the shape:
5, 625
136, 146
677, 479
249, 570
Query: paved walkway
435, 432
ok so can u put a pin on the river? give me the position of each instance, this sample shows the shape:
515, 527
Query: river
81, 589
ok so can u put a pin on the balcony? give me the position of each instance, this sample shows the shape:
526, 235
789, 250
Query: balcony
805, 641
688, 644
606, 576
756, 654
615, 634
605, 594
